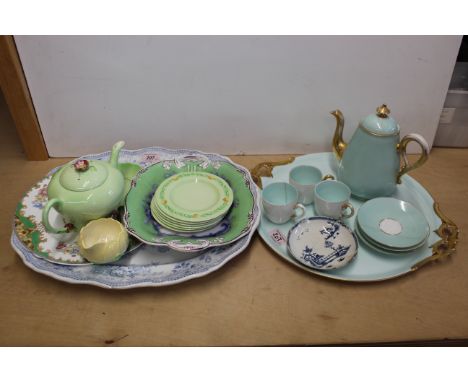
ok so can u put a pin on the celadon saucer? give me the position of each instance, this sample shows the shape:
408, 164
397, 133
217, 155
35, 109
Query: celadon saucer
194, 197
374, 247
378, 247
322, 243
241, 218
392, 223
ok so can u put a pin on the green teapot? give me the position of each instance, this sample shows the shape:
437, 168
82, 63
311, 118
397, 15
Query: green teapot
370, 164
84, 190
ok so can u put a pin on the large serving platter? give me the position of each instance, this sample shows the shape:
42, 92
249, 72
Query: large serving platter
145, 266
369, 265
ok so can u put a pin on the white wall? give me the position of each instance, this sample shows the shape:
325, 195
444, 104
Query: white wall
229, 94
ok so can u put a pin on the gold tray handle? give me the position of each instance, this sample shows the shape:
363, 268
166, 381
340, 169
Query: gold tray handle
446, 246
265, 169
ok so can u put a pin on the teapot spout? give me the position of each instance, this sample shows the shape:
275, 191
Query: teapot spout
339, 145
114, 159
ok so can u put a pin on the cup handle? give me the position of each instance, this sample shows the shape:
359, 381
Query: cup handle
402, 151
344, 207
302, 210
45, 217
328, 177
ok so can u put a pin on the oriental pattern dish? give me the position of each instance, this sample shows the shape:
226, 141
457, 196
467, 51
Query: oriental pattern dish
322, 243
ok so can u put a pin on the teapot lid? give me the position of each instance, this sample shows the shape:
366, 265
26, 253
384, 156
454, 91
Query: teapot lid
83, 175
380, 123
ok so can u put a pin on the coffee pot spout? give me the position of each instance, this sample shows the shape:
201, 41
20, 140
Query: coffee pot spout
339, 145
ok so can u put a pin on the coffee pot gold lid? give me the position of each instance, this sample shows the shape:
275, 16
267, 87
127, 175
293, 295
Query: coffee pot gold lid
380, 123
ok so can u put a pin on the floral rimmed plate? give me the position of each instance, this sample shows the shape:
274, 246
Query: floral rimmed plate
242, 217
193, 197
145, 266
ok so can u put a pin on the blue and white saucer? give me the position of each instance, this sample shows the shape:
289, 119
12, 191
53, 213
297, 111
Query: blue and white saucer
322, 243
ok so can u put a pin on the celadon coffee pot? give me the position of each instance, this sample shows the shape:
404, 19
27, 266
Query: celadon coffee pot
370, 164
84, 190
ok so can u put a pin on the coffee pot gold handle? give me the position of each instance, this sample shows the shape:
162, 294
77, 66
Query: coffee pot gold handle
402, 151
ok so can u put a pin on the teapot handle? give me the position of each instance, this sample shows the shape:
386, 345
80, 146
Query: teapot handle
402, 151
45, 217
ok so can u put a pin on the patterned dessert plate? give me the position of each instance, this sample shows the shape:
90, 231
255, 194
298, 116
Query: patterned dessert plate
193, 197
157, 212
181, 227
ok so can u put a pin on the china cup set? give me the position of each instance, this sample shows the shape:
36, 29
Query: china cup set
321, 242
306, 186
386, 225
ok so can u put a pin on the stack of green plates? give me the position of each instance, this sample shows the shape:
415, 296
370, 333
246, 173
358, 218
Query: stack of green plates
391, 226
191, 201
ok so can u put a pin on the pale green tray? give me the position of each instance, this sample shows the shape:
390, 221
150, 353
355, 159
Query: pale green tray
369, 265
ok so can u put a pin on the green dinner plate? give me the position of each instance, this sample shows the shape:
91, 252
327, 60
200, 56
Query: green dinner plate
193, 197
392, 223
238, 221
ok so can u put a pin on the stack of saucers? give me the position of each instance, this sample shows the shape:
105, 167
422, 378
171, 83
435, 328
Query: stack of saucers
391, 226
191, 201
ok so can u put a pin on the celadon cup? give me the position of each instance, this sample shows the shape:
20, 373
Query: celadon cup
304, 178
331, 198
280, 203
